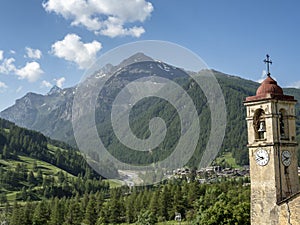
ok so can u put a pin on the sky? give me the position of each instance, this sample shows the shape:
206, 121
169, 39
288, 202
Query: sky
53, 42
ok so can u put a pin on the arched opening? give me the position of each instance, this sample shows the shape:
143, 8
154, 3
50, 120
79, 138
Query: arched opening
259, 124
283, 124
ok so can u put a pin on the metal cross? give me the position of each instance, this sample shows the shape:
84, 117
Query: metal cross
268, 62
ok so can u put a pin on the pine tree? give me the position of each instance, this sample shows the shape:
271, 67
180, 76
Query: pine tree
146, 218
5, 153
31, 179
193, 192
154, 204
56, 216
3, 198
116, 209
27, 214
74, 214
16, 215
60, 177
99, 201
84, 202
5, 214
102, 219
178, 202
39, 176
23, 194
164, 203
41, 214
35, 166
130, 209
91, 214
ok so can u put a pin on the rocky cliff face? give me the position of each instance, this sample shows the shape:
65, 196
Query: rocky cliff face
49, 114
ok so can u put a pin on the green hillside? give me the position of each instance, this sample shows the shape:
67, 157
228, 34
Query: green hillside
33, 167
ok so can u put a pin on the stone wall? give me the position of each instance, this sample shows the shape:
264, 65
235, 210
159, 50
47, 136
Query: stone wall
290, 211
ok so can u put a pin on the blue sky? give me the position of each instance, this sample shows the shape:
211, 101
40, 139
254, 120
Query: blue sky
39, 39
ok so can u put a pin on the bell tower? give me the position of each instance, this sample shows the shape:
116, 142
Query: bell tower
272, 149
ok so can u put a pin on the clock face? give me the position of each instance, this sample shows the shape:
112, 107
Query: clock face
261, 157
286, 158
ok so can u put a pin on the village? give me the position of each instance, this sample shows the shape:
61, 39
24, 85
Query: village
211, 174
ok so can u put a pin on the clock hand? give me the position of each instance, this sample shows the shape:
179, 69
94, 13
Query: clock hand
260, 158
285, 158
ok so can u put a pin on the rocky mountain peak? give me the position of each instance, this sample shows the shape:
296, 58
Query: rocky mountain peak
138, 57
54, 90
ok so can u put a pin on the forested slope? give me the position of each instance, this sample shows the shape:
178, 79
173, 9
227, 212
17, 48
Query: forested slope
33, 167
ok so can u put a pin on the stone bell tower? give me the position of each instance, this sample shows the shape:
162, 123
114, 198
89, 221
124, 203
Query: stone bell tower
272, 150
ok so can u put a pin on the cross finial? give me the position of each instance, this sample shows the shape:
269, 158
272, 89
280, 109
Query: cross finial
268, 62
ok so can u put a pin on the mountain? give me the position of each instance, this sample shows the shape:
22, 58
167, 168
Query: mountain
51, 114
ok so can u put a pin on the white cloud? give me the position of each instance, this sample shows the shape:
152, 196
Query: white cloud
106, 17
295, 84
1, 55
31, 71
60, 82
19, 89
263, 76
115, 28
71, 48
7, 66
33, 53
3, 85
46, 84
12, 52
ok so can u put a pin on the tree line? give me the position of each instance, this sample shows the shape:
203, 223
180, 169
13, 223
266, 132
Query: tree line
224, 202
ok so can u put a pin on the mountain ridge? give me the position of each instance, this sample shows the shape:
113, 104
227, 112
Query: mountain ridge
51, 113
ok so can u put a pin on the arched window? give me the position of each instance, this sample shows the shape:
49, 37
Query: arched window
283, 124
259, 124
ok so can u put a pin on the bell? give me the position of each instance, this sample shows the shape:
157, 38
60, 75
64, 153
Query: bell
262, 127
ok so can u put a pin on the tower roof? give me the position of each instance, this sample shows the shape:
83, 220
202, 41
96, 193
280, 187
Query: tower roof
269, 89
269, 86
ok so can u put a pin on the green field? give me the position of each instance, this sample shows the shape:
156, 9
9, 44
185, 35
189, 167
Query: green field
227, 159
114, 183
46, 168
